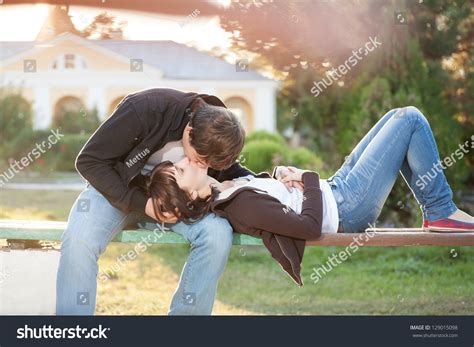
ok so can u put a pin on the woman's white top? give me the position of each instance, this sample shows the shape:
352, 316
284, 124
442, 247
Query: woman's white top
294, 199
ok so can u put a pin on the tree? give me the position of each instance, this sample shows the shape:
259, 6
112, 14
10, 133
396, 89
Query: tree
425, 60
104, 27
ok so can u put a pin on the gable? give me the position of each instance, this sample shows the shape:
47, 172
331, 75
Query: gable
46, 53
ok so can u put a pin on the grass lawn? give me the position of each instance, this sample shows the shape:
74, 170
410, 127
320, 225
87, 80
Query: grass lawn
44, 177
375, 280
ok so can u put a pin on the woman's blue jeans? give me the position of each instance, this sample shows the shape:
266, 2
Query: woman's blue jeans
401, 141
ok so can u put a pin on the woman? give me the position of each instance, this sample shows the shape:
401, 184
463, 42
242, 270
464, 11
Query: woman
349, 201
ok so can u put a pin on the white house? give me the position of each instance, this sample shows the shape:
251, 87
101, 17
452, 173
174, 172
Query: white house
70, 72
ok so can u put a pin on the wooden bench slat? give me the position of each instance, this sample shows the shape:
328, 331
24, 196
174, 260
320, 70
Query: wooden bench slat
389, 238
52, 231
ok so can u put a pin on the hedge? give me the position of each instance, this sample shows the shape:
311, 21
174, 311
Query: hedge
264, 150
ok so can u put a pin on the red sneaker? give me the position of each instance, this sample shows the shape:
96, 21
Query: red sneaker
425, 224
447, 225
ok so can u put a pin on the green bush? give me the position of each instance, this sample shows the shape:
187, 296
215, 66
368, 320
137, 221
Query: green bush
60, 157
303, 158
16, 146
17, 137
260, 135
68, 150
82, 122
265, 150
15, 118
263, 155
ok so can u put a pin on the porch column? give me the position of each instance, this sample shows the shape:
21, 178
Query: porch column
265, 109
96, 99
42, 109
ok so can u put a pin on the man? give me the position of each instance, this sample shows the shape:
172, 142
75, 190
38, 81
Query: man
146, 128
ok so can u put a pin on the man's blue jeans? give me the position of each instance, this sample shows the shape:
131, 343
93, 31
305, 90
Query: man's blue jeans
401, 141
93, 223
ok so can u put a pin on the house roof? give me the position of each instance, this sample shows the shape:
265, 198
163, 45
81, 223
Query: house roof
177, 61
10, 48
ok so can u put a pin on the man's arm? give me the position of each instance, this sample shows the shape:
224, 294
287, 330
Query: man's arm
108, 147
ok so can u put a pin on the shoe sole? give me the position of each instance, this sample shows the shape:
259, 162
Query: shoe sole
449, 230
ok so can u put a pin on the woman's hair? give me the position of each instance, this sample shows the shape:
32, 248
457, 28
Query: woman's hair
168, 197
216, 134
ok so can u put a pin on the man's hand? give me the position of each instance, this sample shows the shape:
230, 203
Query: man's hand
290, 176
164, 217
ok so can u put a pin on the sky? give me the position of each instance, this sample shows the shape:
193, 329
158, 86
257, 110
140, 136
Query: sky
22, 23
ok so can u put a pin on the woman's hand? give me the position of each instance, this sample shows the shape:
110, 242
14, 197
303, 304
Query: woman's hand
290, 176
165, 217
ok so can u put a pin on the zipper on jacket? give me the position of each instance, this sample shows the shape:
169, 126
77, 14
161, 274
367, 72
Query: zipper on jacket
131, 179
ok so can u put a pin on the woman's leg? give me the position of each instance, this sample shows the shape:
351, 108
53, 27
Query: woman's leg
356, 153
404, 138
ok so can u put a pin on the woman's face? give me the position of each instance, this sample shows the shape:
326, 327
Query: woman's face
189, 175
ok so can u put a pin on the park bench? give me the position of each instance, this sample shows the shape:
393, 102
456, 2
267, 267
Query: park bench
31, 258
23, 231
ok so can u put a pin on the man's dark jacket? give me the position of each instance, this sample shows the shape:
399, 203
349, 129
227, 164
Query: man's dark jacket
141, 124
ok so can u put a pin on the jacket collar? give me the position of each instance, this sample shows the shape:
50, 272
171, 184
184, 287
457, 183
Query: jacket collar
218, 201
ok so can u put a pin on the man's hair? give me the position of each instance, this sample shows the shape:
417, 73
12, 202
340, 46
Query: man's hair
216, 135
168, 197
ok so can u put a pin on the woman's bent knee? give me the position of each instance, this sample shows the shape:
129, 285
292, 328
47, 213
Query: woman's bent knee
416, 116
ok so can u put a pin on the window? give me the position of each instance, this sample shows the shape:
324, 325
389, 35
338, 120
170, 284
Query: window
69, 61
